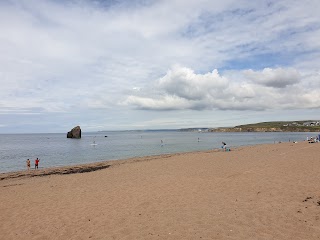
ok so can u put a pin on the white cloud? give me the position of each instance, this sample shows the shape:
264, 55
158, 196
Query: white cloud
278, 78
163, 103
184, 83
181, 88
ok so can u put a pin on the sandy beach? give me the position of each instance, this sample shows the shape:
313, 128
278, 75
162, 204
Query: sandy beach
254, 192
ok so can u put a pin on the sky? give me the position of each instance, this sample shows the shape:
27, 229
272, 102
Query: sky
139, 64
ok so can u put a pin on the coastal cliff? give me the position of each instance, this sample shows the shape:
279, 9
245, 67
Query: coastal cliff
251, 129
297, 126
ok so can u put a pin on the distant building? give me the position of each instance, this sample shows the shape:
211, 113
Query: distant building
307, 124
311, 124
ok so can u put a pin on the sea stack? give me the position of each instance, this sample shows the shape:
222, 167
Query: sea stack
75, 132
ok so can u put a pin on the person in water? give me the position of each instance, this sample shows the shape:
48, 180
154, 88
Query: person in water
36, 163
28, 164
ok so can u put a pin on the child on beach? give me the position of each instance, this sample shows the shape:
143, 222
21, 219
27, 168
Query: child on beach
36, 163
28, 164
224, 146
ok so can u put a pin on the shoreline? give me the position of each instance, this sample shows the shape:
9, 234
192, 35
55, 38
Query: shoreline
95, 166
56, 151
89, 167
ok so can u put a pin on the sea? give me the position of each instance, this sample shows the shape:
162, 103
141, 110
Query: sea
55, 149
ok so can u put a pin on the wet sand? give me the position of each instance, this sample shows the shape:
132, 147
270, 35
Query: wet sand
255, 192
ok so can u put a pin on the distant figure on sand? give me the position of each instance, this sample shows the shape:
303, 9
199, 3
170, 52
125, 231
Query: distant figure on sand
224, 146
36, 163
28, 164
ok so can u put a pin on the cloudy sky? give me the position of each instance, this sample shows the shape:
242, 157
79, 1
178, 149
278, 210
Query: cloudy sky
139, 64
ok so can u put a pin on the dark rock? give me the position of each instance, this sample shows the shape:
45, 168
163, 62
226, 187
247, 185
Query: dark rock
74, 133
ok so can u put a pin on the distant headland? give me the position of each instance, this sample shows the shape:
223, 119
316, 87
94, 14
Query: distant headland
282, 126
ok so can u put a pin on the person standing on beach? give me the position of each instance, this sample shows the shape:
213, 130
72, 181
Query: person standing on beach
28, 164
36, 163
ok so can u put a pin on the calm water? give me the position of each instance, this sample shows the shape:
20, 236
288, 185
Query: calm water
57, 150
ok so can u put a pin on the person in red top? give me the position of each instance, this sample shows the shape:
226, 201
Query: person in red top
36, 163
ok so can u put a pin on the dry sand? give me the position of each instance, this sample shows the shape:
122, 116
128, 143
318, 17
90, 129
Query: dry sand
256, 192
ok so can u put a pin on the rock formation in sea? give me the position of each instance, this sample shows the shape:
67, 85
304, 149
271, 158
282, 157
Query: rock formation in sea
74, 133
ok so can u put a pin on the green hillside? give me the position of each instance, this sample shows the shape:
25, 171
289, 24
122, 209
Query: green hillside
287, 126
